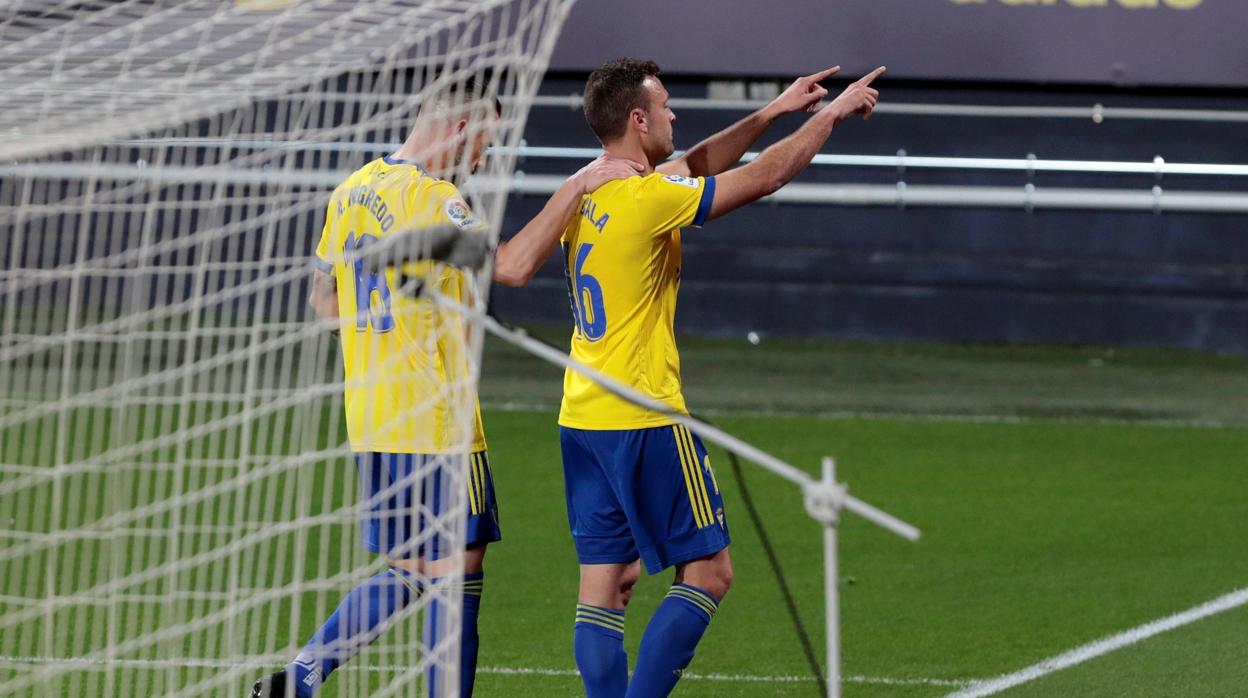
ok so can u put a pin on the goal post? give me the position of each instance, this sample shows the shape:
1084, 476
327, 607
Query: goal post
178, 506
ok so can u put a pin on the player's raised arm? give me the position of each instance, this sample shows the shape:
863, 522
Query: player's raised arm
780, 163
722, 150
520, 257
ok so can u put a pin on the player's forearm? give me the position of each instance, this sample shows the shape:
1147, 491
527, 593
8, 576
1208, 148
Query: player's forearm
773, 168
779, 164
724, 149
324, 298
325, 305
518, 259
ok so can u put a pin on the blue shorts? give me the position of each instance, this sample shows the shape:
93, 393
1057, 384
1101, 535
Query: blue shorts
646, 493
391, 482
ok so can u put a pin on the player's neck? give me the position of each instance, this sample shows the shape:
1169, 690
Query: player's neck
630, 151
425, 148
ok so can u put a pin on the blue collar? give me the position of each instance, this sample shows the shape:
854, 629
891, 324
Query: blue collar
396, 161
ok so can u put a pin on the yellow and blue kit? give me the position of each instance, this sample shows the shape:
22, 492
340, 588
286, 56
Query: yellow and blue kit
637, 484
405, 361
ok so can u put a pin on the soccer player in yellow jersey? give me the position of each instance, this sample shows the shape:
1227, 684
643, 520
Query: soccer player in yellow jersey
402, 359
639, 487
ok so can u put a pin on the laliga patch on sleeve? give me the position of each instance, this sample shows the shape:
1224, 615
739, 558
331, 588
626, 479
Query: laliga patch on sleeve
682, 181
461, 215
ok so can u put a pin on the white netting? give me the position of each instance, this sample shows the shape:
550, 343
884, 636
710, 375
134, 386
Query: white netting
178, 504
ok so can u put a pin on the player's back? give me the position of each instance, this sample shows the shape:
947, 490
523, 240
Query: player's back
405, 360
623, 256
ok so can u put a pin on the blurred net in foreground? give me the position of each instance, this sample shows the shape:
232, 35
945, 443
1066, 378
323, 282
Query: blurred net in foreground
176, 489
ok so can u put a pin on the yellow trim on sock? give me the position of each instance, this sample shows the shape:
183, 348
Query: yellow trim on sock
701, 600
599, 613
709, 613
601, 624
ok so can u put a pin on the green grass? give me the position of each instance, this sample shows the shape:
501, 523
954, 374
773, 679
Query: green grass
1074, 493
1038, 537
805, 376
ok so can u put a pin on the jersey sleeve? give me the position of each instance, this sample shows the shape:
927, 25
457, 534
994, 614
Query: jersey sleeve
324, 257
451, 208
440, 203
668, 202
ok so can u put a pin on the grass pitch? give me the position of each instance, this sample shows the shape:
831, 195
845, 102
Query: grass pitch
1038, 537
1065, 494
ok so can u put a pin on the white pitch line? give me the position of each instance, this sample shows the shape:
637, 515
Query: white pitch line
746, 678
1105, 645
496, 670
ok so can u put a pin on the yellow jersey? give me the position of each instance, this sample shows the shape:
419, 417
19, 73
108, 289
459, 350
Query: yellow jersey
406, 360
623, 272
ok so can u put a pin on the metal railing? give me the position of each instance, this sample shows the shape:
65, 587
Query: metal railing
1096, 112
1026, 195
901, 161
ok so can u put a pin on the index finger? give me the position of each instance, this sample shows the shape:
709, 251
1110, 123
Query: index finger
826, 73
866, 79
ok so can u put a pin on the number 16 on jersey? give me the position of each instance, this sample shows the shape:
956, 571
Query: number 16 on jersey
585, 293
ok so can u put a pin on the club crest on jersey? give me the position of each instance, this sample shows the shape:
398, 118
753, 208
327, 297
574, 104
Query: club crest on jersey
682, 181
459, 214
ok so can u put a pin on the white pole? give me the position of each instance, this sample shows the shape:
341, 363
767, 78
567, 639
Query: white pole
831, 593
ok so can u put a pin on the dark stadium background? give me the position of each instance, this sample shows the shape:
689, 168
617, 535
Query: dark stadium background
945, 273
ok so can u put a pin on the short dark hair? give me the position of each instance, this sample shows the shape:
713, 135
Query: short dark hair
613, 91
469, 90
474, 89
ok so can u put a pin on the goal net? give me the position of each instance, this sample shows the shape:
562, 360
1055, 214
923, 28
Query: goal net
179, 506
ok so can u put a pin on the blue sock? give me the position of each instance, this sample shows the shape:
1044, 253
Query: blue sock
671, 637
363, 614
598, 641
469, 639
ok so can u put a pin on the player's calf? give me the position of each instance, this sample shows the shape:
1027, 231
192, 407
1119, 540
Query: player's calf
671, 637
443, 583
359, 619
598, 631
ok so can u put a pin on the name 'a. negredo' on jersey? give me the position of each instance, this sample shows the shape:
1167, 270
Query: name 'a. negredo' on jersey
404, 359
